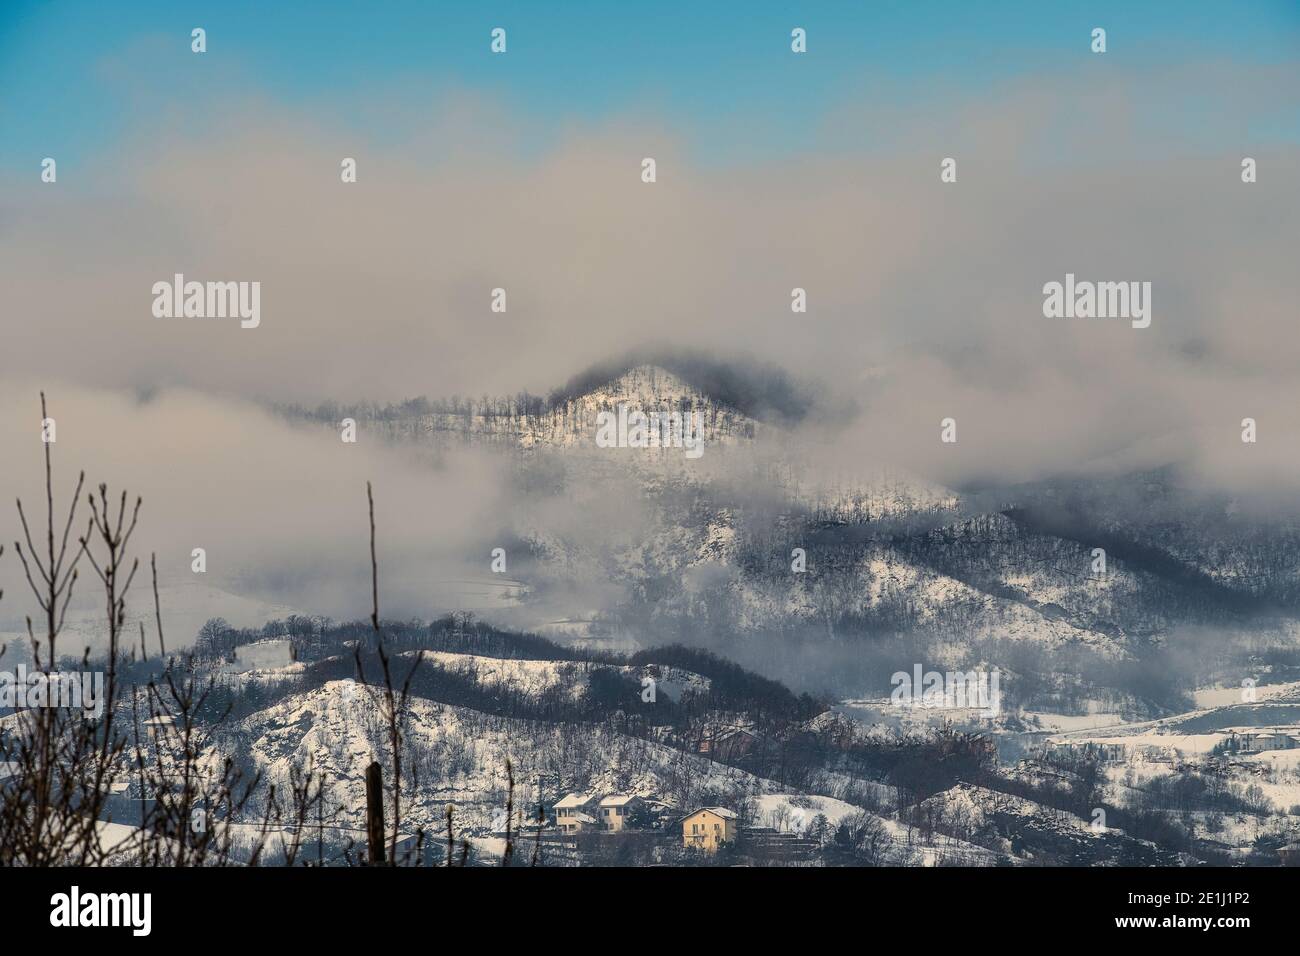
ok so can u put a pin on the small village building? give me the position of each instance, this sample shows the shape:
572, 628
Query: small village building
661, 814
709, 828
728, 743
613, 811
576, 812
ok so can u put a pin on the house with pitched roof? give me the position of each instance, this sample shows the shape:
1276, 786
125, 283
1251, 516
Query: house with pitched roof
613, 811
709, 828
576, 812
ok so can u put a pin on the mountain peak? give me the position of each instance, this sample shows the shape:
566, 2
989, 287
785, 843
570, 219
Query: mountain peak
647, 389
757, 391
651, 385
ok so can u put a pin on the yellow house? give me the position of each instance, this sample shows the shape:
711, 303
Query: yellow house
709, 828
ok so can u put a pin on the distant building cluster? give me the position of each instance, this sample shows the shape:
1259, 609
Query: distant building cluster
610, 813
1260, 739
706, 829
1240, 740
1087, 750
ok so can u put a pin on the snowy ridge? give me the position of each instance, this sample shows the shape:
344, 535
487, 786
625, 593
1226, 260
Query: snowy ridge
573, 678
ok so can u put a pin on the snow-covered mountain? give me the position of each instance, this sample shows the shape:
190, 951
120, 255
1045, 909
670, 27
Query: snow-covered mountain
755, 546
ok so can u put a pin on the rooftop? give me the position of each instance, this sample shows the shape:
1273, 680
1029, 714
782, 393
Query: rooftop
617, 800
716, 811
574, 800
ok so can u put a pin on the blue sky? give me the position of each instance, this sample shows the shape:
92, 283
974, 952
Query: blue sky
77, 76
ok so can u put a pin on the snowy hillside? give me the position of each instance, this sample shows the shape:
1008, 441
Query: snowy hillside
458, 756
